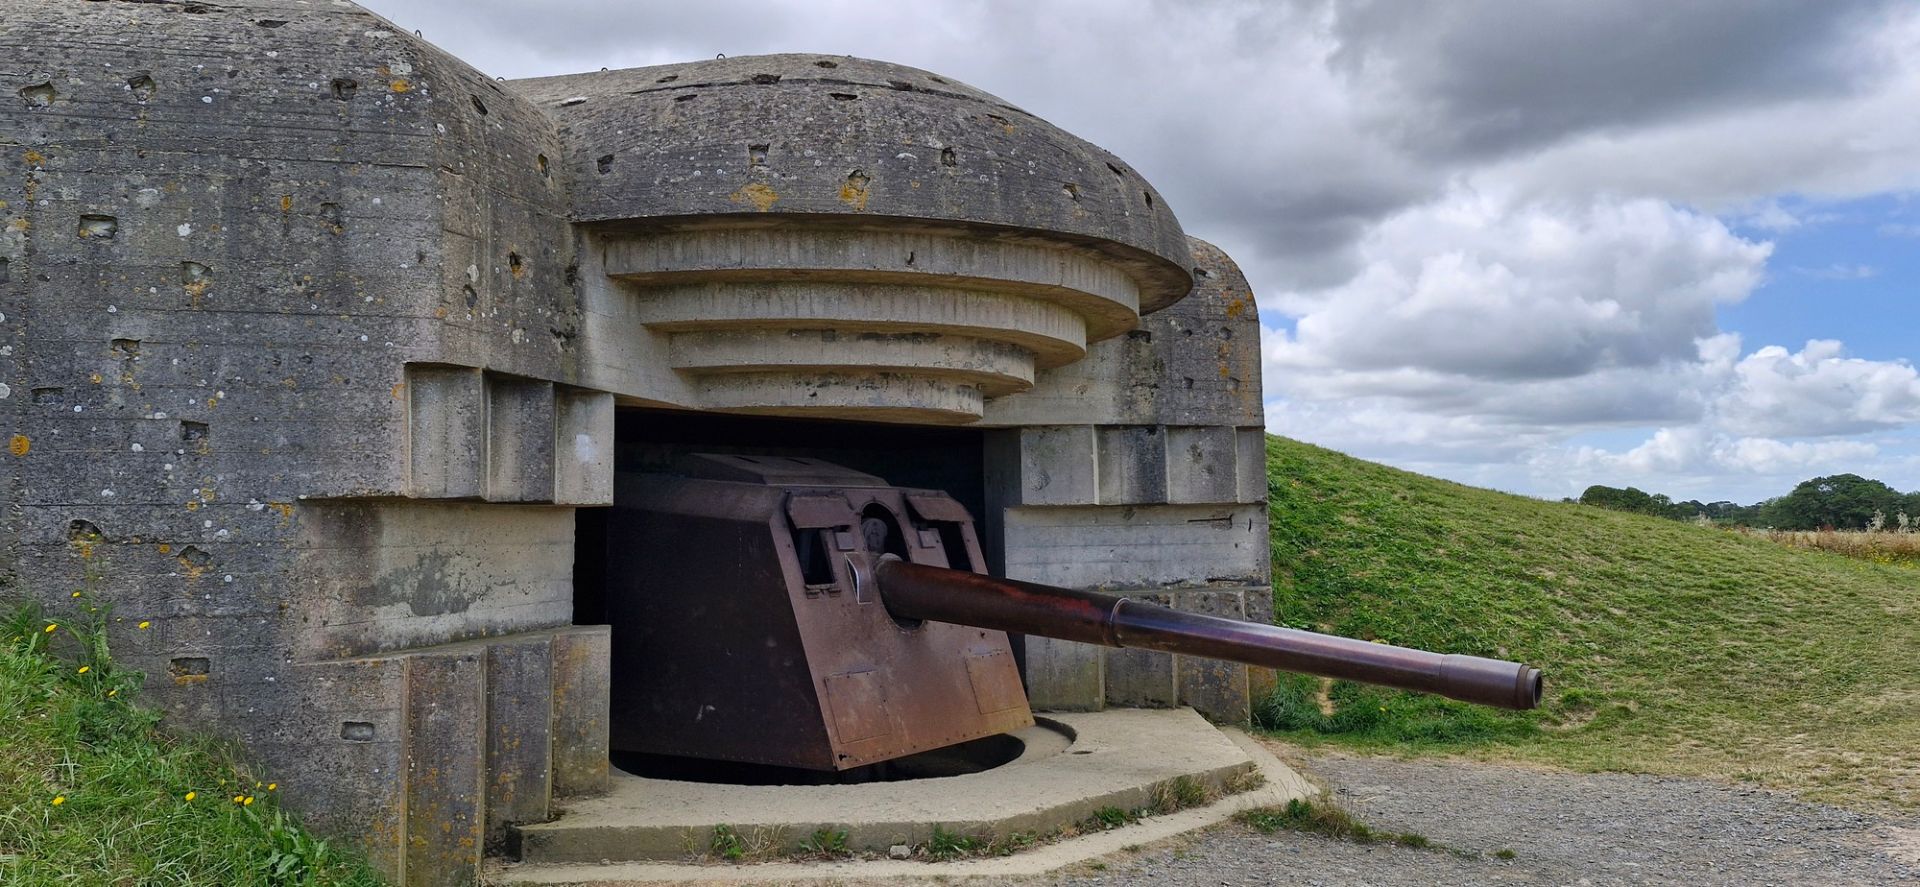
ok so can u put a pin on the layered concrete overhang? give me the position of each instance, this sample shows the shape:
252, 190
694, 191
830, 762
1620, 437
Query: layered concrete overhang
810, 235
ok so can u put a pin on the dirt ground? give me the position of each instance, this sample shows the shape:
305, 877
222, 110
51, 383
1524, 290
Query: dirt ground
1562, 828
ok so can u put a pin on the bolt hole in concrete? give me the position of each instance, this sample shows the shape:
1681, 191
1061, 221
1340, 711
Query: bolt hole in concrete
189, 667
345, 87
99, 226
976, 756
478, 105
38, 95
142, 86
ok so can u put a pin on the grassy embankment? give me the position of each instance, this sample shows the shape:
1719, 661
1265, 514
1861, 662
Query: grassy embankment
92, 793
1669, 647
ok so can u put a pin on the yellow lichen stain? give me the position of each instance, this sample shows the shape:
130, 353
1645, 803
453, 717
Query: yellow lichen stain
193, 505
400, 86
853, 192
20, 225
1236, 307
33, 158
286, 203
165, 548
212, 402
196, 289
185, 679
760, 195
399, 388
19, 445
284, 509
95, 378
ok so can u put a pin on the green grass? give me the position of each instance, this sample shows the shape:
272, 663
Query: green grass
953, 845
92, 792
1322, 817
1668, 647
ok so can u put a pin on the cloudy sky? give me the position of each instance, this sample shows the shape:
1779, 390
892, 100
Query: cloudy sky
1531, 245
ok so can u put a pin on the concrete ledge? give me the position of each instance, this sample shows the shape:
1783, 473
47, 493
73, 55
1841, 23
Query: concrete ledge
1281, 784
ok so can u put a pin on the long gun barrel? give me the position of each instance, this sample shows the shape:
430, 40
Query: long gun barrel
918, 592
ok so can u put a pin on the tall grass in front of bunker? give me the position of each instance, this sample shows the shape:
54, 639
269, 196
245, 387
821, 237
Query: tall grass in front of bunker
1668, 647
1900, 547
94, 792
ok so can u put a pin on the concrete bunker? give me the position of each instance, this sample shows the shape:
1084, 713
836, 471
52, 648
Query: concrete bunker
338, 347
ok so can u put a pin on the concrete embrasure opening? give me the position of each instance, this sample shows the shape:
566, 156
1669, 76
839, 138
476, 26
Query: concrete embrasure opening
947, 459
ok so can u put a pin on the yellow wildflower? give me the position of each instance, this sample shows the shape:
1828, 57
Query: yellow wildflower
59, 799
248, 802
75, 594
273, 786
112, 693
84, 669
144, 624
238, 798
191, 795
51, 626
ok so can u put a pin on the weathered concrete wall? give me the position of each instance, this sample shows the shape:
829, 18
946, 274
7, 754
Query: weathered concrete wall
1148, 477
234, 236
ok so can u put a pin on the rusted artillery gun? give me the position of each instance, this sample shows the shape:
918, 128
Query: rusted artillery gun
790, 612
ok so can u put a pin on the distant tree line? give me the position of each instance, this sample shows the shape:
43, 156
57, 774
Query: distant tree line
1840, 501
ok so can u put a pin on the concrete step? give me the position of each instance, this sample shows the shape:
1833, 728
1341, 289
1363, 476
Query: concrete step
1126, 754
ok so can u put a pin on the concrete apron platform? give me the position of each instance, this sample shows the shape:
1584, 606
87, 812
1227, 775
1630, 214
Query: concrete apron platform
1074, 765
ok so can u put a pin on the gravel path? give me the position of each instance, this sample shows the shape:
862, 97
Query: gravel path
1563, 828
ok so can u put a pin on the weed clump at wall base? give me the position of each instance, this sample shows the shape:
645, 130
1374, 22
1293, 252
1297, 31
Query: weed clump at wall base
1323, 817
92, 791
